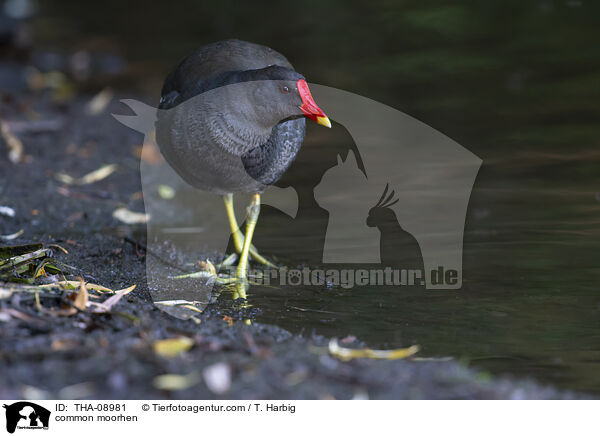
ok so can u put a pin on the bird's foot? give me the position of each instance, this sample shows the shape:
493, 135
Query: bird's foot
236, 279
239, 237
209, 270
238, 242
256, 256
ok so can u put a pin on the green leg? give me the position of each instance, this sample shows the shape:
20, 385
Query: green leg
238, 236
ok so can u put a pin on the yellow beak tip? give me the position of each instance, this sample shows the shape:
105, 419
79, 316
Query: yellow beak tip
324, 121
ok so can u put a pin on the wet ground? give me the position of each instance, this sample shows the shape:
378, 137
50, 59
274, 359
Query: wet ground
112, 354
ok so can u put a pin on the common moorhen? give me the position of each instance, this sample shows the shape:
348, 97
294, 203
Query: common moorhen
241, 138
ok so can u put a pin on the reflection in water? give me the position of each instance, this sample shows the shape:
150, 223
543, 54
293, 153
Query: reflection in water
514, 82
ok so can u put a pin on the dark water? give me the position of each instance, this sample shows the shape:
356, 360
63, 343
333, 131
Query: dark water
516, 83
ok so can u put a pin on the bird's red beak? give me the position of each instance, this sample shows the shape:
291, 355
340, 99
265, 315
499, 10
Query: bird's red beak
309, 108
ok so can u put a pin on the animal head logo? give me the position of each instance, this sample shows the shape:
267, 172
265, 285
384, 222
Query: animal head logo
26, 415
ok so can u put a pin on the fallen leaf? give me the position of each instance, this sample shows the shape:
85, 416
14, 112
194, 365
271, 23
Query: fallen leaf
176, 382
228, 320
173, 346
367, 353
22, 261
14, 144
166, 192
174, 302
72, 284
108, 304
95, 176
149, 153
217, 377
8, 313
128, 217
81, 299
12, 236
99, 102
78, 300
185, 304
64, 250
63, 344
8, 211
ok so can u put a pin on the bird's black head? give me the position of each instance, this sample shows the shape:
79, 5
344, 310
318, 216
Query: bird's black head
277, 93
381, 214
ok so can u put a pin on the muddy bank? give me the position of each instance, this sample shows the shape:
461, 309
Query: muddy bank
108, 357
112, 355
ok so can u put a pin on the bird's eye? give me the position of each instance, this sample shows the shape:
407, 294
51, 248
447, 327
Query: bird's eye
285, 89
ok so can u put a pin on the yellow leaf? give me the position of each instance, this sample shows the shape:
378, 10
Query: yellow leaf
176, 382
128, 217
166, 192
173, 346
367, 353
95, 176
72, 284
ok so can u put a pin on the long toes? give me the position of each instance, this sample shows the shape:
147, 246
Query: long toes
261, 259
195, 275
228, 261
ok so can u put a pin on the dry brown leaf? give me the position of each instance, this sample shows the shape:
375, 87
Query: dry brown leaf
108, 304
64, 250
14, 144
8, 313
149, 153
63, 344
81, 299
78, 300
